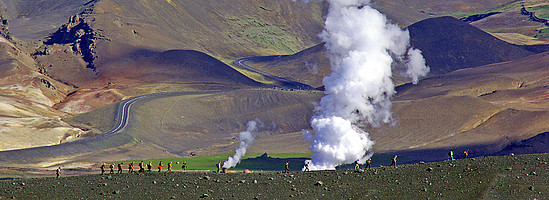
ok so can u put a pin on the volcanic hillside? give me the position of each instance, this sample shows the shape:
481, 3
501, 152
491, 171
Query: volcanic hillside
101, 52
102, 41
446, 43
26, 98
95, 53
112, 43
37, 19
449, 44
491, 106
484, 108
448, 7
520, 22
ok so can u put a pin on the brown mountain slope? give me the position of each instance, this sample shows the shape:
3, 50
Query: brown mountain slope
190, 67
448, 7
109, 50
510, 20
399, 12
449, 44
36, 19
108, 45
309, 66
206, 123
484, 108
26, 98
222, 29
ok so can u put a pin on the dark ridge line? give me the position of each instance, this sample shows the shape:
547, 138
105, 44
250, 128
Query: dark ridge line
532, 16
474, 18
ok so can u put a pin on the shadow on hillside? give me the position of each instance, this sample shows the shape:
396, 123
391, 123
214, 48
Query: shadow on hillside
534, 145
184, 66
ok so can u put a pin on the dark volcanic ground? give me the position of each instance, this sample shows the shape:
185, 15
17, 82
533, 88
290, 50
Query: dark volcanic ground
504, 177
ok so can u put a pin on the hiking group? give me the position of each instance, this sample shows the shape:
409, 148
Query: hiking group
141, 167
119, 166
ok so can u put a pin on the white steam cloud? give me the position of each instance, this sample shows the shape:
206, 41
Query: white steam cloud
246, 139
362, 45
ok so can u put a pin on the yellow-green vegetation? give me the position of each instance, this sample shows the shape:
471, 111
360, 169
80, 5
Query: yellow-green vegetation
262, 32
102, 119
506, 7
541, 11
502, 8
543, 33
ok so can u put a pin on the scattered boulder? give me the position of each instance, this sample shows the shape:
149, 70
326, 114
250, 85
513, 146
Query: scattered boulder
319, 183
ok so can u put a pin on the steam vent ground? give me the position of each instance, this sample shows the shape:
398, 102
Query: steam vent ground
499, 177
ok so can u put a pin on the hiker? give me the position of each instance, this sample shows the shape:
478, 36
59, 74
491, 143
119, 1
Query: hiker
169, 166
451, 155
160, 166
149, 166
141, 169
119, 166
368, 163
112, 168
184, 166
218, 165
465, 153
394, 161
357, 166
102, 168
130, 168
58, 172
287, 167
307, 166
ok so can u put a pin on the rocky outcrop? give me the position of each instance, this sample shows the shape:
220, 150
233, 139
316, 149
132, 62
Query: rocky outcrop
4, 31
79, 35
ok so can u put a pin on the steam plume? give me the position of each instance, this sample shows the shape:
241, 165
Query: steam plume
362, 45
246, 139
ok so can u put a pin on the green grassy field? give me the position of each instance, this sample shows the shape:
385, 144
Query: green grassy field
208, 162
254, 162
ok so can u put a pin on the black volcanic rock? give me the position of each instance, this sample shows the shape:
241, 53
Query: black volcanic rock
449, 44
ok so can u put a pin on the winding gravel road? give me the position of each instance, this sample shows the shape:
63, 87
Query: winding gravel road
112, 138
105, 140
287, 83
